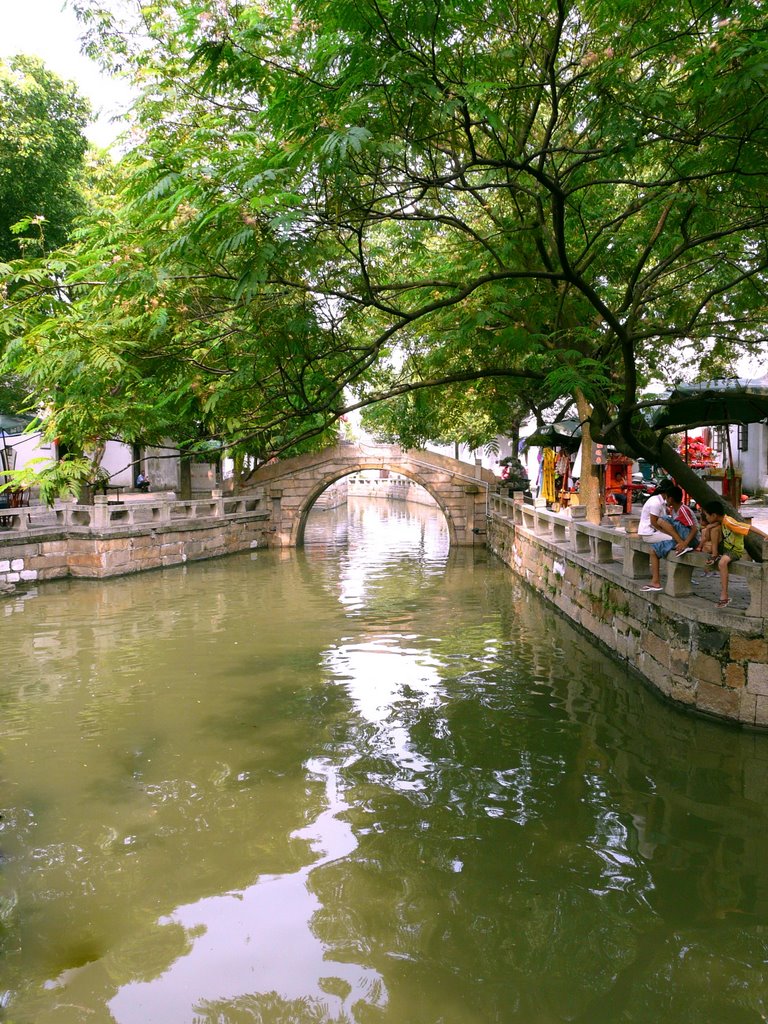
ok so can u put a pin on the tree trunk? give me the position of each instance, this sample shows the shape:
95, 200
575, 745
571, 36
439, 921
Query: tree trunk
589, 481
185, 478
700, 490
514, 438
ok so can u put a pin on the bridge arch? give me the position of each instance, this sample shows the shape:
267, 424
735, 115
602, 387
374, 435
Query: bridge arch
302, 515
288, 489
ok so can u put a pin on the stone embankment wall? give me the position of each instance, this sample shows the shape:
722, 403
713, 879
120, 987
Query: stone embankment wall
112, 539
332, 497
694, 653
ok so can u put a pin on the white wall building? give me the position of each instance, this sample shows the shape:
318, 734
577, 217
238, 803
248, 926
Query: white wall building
749, 448
122, 462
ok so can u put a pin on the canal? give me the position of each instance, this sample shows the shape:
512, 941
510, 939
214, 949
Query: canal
371, 780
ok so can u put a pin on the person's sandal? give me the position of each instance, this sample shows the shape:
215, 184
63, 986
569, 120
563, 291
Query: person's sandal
713, 561
724, 602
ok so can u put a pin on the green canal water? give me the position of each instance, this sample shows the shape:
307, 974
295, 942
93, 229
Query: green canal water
368, 781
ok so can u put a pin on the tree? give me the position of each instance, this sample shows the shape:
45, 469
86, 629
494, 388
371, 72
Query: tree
14, 395
41, 157
41, 161
374, 199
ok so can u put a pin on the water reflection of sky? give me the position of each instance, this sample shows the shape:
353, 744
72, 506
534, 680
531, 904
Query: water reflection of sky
377, 674
412, 532
259, 940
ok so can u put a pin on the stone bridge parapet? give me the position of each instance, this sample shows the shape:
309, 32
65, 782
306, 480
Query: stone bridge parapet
287, 490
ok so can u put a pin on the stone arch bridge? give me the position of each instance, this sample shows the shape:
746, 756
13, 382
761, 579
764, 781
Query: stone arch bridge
287, 490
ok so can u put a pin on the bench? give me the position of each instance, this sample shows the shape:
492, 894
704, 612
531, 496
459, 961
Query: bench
609, 545
679, 571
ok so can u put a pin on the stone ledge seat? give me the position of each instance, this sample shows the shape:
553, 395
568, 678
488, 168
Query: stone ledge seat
609, 545
679, 571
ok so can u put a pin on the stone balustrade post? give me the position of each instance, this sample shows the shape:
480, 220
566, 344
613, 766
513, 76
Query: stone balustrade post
161, 513
579, 539
636, 560
100, 511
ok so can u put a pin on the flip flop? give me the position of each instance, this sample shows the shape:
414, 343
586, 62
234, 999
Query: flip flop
724, 603
651, 590
713, 561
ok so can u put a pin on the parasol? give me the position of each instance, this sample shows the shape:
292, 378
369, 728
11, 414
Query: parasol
11, 425
712, 403
563, 434
15, 424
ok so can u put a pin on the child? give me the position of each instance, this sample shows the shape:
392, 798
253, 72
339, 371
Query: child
683, 520
722, 544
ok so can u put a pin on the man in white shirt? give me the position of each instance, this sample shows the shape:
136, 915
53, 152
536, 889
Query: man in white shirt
653, 527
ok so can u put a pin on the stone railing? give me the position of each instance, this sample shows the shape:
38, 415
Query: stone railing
398, 488
626, 551
106, 513
697, 654
113, 537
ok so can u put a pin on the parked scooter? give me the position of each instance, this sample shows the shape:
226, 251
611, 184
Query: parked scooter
642, 489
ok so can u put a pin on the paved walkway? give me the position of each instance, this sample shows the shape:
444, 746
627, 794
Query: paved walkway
757, 511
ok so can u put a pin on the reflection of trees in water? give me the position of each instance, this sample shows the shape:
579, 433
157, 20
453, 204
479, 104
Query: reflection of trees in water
539, 838
557, 831
271, 1008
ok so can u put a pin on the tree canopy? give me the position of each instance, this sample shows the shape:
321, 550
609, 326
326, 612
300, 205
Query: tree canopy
327, 204
41, 155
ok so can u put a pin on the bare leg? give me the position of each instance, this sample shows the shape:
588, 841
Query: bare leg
722, 568
714, 541
655, 569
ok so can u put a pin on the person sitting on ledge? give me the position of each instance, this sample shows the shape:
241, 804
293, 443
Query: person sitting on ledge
722, 544
684, 521
142, 482
686, 536
656, 528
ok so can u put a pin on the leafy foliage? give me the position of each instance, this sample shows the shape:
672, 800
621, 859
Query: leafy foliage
41, 156
329, 204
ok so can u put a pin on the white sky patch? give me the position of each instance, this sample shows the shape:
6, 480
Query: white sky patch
50, 31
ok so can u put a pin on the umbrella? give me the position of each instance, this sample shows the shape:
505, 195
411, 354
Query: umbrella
563, 434
713, 402
11, 425
15, 424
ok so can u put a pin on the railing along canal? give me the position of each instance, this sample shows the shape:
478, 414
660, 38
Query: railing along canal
625, 555
110, 514
697, 654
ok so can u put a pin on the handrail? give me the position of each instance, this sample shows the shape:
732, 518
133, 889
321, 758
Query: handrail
627, 553
106, 514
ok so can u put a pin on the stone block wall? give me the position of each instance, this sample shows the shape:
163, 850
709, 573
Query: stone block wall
96, 554
714, 663
397, 489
